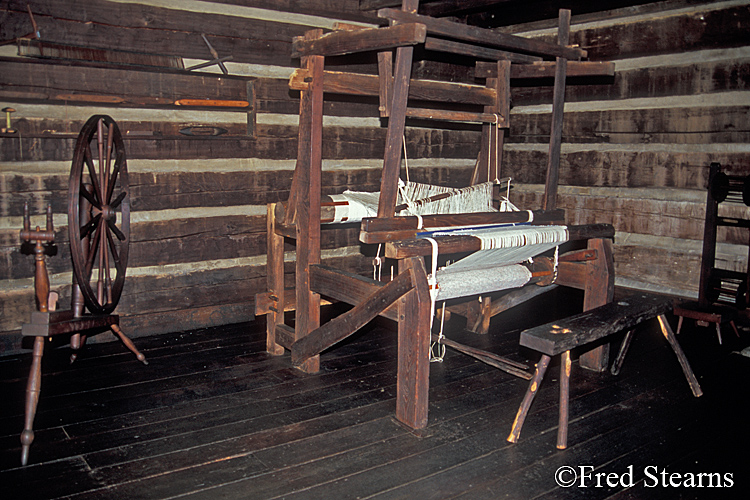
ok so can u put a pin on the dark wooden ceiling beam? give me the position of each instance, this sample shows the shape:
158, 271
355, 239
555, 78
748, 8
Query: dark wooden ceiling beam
445, 8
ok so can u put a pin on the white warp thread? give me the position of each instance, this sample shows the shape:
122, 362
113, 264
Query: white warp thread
353, 206
471, 199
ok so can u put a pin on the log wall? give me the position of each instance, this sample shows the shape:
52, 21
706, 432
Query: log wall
636, 149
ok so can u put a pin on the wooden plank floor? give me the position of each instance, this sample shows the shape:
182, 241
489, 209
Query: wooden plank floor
213, 416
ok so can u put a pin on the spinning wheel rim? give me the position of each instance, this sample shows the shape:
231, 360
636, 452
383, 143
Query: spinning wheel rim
93, 223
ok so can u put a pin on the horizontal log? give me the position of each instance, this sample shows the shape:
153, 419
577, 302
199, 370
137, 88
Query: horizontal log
348, 42
270, 142
157, 30
369, 85
133, 87
483, 36
34, 48
546, 69
457, 244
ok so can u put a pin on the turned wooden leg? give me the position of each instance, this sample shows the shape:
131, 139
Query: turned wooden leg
33, 388
528, 398
562, 428
77, 341
128, 343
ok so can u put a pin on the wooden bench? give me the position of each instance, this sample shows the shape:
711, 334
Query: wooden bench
582, 329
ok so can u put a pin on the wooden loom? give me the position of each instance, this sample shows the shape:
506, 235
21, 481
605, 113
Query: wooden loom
406, 299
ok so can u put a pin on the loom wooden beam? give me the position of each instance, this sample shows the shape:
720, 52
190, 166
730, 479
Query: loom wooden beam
477, 51
483, 36
308, 183
395, 133
455, 116
373, 224
340, 82
384, 229
348, 323
413, 378
267, 302
459, 243
343, 42
346, 287
275, 282
549, 200
546, 69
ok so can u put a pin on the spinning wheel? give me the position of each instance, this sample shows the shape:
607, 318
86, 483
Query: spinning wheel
99, 214
99, 231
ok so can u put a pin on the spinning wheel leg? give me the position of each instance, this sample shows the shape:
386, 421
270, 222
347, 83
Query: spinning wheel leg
33, 388
128, 343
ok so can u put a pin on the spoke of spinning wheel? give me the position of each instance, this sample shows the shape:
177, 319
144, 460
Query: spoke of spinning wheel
113, 227
120, 157
115, 255
93, 250
105, 264
89, 226
87, 156
102, 165
105, 177
116, 203
103, 272
90, 197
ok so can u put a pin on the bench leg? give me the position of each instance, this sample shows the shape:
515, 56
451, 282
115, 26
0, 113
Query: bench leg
689, 375
623, 351
562, 428
528, 398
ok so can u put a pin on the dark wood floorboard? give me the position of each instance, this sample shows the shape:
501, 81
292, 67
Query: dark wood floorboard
213, 416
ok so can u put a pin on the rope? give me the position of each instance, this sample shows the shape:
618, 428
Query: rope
377, 265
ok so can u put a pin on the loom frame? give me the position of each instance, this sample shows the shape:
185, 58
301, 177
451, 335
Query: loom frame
406, 299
